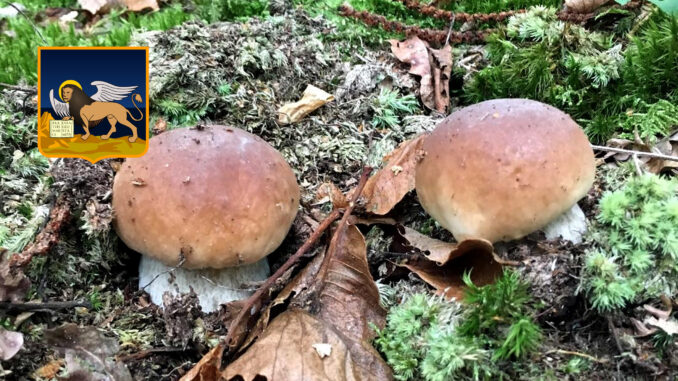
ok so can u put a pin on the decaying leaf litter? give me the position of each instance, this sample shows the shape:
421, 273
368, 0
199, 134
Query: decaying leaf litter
326, 147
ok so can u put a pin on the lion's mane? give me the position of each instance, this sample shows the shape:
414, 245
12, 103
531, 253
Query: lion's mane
78, 99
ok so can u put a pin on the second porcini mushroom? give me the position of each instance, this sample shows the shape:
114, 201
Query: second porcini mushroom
204, 207
501, 169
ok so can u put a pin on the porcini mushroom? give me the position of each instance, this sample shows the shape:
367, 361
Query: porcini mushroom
213, 201
501, 169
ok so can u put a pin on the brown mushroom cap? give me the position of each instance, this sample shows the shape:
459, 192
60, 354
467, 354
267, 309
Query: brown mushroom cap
504, 168
218, 196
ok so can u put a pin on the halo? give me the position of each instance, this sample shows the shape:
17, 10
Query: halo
68, 82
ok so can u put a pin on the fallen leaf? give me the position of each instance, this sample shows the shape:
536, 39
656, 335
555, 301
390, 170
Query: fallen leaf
434, 66
667, 146
387, 187
10, 343
14, 283
447, 279
413, 52
345, 301
89, 354
441, 68
670, 326
160, 126
439, 251
285, 352
312, 99
208, 368
103, 6
329, 192
49, 370
584, 6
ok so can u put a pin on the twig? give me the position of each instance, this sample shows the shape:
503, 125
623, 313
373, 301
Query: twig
38, 306
449, 31
250, 304
182, 260
430, 35
20, 88
47, 238
148, 352
29, 20
432, 11
584, 355
632, 152
636, 164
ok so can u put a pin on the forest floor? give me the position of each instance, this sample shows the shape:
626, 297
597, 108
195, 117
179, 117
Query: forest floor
239, 73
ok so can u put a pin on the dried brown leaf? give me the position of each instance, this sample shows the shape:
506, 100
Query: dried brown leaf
329, 192
89, 354
10, 343
286, 351
49, 370
345, 301
668, 146
391, 183
312, 99
413, 52
434, 66
447, 279
208, 368
439, 251
441, 68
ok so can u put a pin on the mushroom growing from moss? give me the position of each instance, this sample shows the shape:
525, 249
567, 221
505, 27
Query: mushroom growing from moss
501, 169
205, 207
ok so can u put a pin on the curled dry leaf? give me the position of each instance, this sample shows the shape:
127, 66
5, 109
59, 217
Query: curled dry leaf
445, 264
344, 301
10, 343
208, 368
432, 65
584, 6
439, 251
391, 183
312, 99
89, 354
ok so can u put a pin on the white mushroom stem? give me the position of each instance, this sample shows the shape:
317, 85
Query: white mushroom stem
213, 287
570, 226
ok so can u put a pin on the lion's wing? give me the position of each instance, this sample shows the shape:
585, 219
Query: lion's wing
61, 108
107, 92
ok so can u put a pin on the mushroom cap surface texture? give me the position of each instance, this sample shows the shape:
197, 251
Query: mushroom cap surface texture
216, 196
504, 168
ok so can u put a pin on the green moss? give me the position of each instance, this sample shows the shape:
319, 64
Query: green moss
635, 254
587, 74
390, 106
431, 339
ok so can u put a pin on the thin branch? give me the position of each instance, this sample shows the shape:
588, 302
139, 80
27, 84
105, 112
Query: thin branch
584, 355
148, 352
20, 88
638, 153
47, 238
42, 306
250, 307
29, 20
